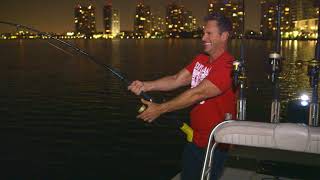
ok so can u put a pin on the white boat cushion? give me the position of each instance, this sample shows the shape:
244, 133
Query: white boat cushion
285, 136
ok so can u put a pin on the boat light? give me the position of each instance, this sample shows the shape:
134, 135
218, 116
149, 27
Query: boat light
304, 100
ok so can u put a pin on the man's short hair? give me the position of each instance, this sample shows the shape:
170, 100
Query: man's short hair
224, 23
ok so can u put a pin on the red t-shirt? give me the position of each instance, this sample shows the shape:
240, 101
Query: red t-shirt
210, 112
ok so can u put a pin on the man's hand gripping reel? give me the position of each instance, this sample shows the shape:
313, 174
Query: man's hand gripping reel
184, 127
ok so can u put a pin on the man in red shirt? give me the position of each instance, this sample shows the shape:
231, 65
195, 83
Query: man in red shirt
211, 95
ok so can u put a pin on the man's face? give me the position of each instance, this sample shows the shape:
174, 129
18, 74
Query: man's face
212, 38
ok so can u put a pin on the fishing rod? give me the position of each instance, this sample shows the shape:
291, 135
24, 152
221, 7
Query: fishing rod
183, 126
275, 62
239, 75
313, 73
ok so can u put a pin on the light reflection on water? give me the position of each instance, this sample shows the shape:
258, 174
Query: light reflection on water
63, 116
294, 80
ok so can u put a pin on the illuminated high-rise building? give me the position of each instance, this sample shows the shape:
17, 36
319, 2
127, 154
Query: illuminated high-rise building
158, 26
115, 22
85, 23
305, 17
210, 6
107, 17
268, 24
190, 22
303, 9
142, 20
233, 9
174, 19
111, 19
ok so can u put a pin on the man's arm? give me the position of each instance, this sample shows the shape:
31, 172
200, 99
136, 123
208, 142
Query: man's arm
206, 89
182, 78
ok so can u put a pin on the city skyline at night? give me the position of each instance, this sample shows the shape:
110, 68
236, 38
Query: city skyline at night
58, 16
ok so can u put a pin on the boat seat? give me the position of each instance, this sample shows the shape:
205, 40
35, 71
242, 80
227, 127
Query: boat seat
284, 136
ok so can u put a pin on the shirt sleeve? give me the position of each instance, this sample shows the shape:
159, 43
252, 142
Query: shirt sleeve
221, 77
191, 65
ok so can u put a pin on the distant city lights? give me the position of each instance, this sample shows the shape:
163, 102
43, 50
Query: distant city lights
180, 23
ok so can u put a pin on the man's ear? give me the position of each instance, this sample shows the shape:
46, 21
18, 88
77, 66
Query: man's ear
225, 36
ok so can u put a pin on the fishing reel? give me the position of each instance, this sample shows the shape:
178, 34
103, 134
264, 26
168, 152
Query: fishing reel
313, 72
238, 73
275, 61
146, 97
239, 78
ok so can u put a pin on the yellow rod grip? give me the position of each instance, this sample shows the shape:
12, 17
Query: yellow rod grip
188, 131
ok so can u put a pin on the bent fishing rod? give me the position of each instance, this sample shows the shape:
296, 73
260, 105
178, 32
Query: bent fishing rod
183, 126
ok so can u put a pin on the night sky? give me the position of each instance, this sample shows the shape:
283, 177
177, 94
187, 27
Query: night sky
58, 15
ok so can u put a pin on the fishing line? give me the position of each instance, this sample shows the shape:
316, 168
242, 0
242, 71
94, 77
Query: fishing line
66, 52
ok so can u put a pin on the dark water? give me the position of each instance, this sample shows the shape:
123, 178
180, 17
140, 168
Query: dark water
65, 117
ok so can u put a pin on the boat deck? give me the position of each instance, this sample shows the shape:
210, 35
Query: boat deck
250, 163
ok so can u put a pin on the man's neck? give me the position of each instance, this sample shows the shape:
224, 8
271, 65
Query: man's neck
213, 57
